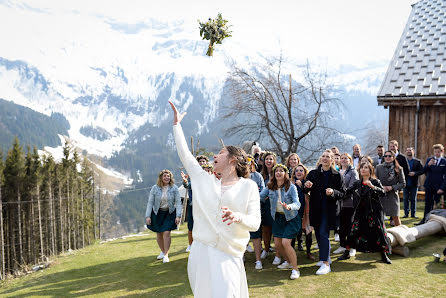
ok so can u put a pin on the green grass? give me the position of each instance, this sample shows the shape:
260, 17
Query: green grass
128, 267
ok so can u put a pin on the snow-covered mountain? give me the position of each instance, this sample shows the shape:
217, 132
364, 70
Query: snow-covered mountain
112, 79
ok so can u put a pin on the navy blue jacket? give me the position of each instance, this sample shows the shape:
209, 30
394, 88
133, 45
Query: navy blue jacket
416, 167
435, 175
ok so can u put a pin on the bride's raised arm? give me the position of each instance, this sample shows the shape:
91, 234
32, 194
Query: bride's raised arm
186, 157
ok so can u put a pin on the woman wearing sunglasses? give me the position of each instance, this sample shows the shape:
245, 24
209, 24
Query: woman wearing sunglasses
391, 175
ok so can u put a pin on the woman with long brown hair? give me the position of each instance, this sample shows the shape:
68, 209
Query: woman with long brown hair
269, 161
368, 231
284, 205
163, 212
391, 175
225, 211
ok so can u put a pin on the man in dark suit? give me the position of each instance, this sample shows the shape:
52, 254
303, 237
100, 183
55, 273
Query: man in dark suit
379, 158
402, 160
411, 189
356, 156
435, 183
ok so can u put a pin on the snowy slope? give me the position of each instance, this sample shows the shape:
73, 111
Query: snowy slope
109, 78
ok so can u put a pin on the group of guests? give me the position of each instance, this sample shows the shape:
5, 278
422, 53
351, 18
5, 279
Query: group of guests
348, 194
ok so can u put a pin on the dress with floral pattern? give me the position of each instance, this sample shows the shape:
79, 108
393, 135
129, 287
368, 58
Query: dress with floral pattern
368, 232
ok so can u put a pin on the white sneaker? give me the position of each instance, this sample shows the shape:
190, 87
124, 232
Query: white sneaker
249, 248
323, 270
337, 239
264, 254
188, 248
285, 265
277, 260
319, 264
316, 246
160, 256
352, 252
339, 250
295, 274
166, 259
259, 265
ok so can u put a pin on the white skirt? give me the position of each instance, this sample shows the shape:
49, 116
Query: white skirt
213, 273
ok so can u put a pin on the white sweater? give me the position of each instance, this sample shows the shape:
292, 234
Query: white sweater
242, 198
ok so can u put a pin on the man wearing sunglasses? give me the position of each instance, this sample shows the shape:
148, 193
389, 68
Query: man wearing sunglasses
402, 159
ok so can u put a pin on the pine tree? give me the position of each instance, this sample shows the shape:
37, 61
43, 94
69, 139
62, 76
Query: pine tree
14, 173
2, 236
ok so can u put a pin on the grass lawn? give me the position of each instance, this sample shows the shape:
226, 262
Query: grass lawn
128, 267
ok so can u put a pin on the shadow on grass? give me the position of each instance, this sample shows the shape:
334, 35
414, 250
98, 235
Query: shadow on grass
141, 276
436, 268
148, 237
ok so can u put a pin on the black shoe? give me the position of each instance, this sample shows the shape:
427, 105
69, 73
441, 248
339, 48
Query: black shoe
345, 255
405, 216
420, 223
385, 258
414, 216
300, 247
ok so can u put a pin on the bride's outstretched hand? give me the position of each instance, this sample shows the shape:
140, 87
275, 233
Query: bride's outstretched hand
177, 117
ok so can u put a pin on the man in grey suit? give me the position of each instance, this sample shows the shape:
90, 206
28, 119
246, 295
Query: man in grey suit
377, 160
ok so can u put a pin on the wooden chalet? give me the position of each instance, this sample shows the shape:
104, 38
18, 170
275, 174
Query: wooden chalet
414, 88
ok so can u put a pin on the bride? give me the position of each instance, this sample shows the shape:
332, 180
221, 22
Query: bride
225, 211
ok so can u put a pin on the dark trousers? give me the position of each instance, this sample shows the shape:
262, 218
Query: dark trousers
430, 196
322, 233
345, 224
308, 240
410, 198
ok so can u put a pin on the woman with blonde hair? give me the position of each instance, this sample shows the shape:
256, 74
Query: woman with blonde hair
325, 186
292, 161
163, 212
348, 204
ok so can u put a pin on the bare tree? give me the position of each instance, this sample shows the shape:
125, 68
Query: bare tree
282, 114
375, 134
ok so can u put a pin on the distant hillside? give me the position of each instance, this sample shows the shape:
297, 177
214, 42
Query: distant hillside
32, 128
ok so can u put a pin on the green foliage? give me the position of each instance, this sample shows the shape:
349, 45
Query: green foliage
214, 30
14, 171
32, 128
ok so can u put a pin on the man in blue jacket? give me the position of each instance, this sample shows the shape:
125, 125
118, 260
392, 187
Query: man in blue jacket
435, 183
411, 189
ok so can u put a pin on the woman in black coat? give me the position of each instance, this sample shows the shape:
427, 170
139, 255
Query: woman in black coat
368, 232
325, 186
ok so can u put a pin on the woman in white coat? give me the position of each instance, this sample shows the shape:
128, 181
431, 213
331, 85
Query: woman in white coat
225, 211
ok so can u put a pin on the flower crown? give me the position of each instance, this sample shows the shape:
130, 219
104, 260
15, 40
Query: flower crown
266, 153
279, 165
207, 166
165, 171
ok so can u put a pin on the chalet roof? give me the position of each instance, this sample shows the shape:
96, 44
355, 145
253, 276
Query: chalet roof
418, 67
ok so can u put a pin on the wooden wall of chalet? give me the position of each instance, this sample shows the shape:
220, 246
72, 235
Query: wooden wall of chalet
431, 127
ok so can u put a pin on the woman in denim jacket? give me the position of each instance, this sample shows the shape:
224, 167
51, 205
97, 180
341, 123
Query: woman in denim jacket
285, 205
163, 212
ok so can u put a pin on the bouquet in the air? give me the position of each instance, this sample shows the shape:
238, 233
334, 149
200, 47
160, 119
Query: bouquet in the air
214, 30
